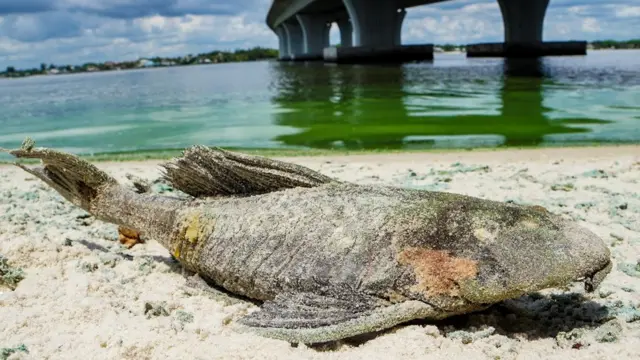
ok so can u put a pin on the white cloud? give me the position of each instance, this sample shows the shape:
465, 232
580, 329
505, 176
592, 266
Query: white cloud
480, 8
470, 21
578, 10
77, 31
459, 29
591, 25
481, 20
154, 36
628, 11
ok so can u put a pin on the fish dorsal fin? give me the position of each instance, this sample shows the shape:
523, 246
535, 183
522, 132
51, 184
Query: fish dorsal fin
203, 171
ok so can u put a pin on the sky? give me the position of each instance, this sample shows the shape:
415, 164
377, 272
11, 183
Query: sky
79, 31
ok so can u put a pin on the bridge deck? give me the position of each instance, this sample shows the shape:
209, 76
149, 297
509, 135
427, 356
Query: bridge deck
281, 10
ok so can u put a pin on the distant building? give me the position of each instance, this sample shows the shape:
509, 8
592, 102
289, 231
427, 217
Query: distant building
145, 63
53, 71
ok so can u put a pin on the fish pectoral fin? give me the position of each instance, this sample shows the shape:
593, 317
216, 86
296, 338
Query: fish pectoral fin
310, 318
204, 171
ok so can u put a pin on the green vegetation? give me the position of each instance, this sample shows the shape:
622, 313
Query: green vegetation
253, 54
9, 276
451, 47
613, 44
6, 352
595, 45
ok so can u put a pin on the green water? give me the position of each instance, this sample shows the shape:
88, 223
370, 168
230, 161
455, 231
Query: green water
450, 102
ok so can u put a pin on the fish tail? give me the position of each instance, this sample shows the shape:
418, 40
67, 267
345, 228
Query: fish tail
75, 179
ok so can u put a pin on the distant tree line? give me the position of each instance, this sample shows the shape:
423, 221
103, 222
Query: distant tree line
252, 54
600, 44
613, 44
451, 47
217, 56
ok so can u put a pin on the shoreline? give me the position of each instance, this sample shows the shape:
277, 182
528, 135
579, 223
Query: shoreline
163, 155
452, 52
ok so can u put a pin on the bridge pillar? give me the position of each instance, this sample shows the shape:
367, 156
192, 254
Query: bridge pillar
398, 30
346, 31
315, 31
283, 42
377, 30
375, 22
295, 39
523, 22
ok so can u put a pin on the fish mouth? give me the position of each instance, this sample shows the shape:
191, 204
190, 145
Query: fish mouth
588, 253
593, 280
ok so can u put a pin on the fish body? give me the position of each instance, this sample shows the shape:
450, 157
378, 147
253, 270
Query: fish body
444, 248
331, 259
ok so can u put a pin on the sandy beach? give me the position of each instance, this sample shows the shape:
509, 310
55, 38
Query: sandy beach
85, 296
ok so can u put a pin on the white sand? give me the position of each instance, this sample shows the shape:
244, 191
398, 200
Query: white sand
86, 300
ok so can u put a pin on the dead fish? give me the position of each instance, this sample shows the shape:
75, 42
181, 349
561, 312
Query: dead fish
332, 259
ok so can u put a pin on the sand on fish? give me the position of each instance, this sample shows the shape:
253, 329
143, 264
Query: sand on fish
85, 296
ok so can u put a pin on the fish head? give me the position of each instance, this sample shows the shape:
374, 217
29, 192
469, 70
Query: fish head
482, 252
537, 250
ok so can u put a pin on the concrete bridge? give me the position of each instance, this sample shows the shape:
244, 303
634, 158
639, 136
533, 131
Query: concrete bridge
370, 30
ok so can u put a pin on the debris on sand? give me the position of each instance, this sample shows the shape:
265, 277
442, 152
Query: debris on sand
9, 276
